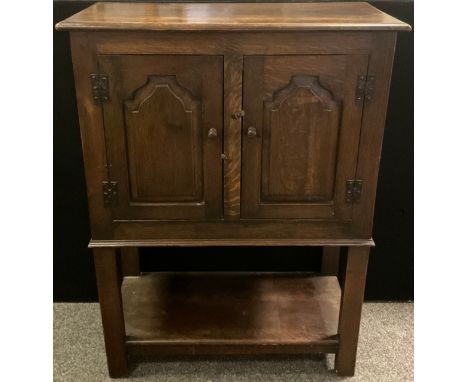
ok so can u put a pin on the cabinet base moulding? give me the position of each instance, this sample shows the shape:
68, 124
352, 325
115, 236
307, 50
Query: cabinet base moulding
232, 243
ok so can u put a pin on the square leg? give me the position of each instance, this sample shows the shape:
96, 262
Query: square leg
110, 300
130, 260
330, 261
352, 297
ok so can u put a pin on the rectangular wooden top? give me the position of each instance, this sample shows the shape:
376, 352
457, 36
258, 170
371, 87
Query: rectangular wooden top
231, 16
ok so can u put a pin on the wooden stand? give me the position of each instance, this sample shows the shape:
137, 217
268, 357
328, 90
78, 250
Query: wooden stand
231, 313
231, 125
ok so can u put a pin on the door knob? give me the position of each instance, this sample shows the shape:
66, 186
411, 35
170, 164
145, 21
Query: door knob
251, 132
212, 133
238, 114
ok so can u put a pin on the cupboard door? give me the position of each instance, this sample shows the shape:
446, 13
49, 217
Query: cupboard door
300, 135
163, 125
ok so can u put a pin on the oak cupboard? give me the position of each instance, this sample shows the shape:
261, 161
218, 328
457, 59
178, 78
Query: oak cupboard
231, 125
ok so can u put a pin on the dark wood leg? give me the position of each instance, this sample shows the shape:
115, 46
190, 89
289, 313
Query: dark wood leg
330, 261
342, 266
130, 260
110, 299
352, 296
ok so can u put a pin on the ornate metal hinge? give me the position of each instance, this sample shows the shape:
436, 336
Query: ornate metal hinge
364, 88
353, 191
110, 193
100, 87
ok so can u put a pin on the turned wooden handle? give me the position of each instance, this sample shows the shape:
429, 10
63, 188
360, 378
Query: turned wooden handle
238, 114
212, 133
251, 132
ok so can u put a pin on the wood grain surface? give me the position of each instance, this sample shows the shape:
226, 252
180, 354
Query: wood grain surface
231, 310
157, 124
305, 147
232, 134
234, 16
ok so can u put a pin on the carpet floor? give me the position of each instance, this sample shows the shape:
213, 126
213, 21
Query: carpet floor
385, 353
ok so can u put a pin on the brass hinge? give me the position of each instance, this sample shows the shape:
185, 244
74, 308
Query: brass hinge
110, 193
100, 87
353, 191
364, 88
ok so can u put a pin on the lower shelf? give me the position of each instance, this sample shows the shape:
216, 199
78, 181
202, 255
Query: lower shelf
230, 313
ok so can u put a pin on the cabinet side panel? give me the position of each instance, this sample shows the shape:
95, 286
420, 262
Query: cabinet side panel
372, 131
92, 132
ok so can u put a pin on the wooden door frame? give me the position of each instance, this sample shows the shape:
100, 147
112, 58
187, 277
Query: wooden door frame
210, 166
338, 209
